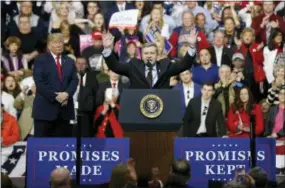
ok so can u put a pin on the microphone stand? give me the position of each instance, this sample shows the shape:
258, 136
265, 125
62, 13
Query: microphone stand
252, 142
78, 135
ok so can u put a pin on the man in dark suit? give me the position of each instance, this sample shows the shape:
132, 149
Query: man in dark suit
85, 98
148, 73
187, 89
56, 81
114, 82
204, 116
220, 55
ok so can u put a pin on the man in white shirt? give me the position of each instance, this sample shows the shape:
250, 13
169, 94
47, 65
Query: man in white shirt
219, 54
204, 116
187, 88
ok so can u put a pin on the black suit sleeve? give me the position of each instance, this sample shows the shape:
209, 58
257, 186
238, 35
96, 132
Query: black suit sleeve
221, 120
186, 63
119, 68
268, 127
100, 95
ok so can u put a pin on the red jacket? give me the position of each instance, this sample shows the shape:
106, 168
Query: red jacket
257, 60
233, 121
202, 42
109, 118
10, 132
260, 33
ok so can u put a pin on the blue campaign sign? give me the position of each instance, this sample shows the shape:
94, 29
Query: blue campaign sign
219, 158
99, 156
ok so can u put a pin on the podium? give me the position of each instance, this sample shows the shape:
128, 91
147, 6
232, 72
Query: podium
151, 138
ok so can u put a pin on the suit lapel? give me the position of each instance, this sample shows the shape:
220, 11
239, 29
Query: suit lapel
63, 67
182, 94
210, 109
199, 103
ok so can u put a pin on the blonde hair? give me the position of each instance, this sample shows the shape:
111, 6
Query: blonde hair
160, 22
248, 30
54, 36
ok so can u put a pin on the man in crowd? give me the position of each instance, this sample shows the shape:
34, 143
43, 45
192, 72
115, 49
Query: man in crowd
220, 55
85, 97
148, 72
56, 81
60, 177
202, 114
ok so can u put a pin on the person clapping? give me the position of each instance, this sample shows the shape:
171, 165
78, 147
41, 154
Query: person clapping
106, 117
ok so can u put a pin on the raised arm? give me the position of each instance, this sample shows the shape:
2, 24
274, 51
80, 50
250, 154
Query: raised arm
189, 58
110, 59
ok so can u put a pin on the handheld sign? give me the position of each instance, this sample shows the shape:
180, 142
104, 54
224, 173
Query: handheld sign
219, 158
126, 19
99, 156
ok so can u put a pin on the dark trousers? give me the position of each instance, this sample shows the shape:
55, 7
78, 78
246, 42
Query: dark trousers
86, 122
56, 128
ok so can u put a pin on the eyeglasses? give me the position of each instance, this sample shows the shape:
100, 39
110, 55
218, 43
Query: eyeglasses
205, 110
188, 94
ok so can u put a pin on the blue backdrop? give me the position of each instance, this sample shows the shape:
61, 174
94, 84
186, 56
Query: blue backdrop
99, 156
219, 158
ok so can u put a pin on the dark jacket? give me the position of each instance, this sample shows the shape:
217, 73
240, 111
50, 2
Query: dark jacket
192, 118
47, 82
227, 55
135, 71
273, 111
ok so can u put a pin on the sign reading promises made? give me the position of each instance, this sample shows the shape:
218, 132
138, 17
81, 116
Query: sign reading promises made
99, 156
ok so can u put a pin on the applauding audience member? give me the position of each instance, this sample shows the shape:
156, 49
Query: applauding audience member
275, 126
244, 112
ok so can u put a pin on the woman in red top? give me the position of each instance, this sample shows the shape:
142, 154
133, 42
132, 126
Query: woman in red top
242, 112
106, 117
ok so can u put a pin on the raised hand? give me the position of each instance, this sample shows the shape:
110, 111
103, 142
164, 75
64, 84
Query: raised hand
192, 38
108, 40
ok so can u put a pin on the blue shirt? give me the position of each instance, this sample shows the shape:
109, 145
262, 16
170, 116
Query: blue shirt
202, 75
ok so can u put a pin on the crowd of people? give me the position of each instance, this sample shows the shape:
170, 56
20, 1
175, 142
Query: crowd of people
226, 59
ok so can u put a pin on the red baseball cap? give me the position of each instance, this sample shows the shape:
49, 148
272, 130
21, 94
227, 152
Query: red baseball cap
97, 35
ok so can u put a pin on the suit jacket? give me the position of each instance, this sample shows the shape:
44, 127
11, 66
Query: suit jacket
227, 55
48, 83
135, 71
192, 118
180, 88
102, 88
87, 94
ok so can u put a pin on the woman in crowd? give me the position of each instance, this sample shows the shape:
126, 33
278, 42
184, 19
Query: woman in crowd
224, 90
231, 32
106, 117
278, 82
156, 25
270, 52
253, 65
265, 109
14, 61
244, 112
99, 22
143, 8
9, 129
11, 86
24, 103
275, 125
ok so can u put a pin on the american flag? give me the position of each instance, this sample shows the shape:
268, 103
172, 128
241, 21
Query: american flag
14, 159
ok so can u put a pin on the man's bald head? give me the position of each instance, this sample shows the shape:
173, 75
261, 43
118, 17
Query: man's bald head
60, 178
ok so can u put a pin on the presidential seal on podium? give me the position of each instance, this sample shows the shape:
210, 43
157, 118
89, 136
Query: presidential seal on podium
151, 106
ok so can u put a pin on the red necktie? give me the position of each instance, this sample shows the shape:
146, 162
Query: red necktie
58, 66
114, 85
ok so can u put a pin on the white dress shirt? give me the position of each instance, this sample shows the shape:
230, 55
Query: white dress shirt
114, 82
54, 57
219, 53
204, 113
154, 74
188, 93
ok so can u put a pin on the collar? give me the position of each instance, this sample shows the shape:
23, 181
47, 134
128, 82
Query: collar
186, 86
153, 67
206, 103
54, 56
217, 48
114, 82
